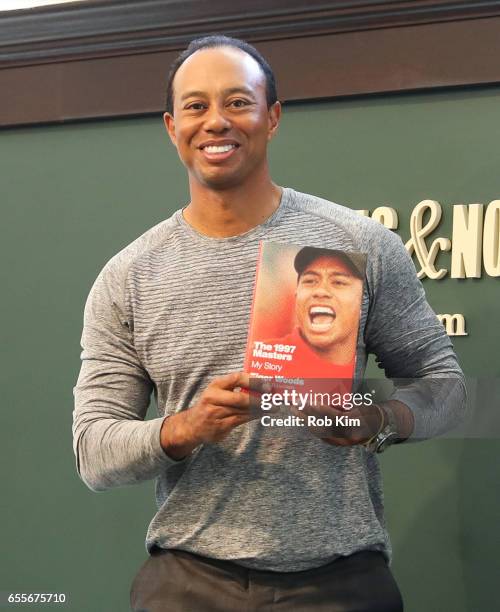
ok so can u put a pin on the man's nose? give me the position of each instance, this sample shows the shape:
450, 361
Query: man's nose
216, 120
323, 288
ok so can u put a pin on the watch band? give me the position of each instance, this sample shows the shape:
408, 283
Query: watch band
370, 441
387, 433
391, 417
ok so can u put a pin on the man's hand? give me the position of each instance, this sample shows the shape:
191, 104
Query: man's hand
345, 430
341, 427
219, 410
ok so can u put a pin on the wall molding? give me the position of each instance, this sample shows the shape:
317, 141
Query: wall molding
344, 48
109, 27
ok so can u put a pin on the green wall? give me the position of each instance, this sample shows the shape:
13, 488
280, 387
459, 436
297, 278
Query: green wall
73, 195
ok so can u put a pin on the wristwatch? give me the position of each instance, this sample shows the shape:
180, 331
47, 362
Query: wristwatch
388, 433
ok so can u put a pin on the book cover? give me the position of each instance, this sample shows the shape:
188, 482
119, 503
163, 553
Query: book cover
305, 315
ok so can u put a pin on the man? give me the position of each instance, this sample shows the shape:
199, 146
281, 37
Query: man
328, 303
327, 311
243, 523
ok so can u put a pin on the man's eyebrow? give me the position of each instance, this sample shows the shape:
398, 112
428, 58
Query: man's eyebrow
227, 92
334, 273
244, 90
310, 272
193, 94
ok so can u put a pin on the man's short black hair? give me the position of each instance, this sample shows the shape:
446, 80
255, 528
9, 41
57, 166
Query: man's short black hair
219, 40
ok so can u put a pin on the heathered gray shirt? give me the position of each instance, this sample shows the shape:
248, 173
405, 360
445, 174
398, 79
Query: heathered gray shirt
169, 313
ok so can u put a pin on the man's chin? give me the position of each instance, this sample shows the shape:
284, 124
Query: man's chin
319, 342
220, 181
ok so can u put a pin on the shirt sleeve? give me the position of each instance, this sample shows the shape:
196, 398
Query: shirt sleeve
113, 444
410, 343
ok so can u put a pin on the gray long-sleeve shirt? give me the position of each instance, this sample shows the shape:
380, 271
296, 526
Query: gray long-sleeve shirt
169, 313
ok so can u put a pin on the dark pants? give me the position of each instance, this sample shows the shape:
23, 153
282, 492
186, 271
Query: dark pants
177, 581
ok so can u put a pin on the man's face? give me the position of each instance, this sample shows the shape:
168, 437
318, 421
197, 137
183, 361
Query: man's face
328, 302
221, 123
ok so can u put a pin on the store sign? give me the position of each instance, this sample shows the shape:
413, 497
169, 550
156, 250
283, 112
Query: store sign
474, 244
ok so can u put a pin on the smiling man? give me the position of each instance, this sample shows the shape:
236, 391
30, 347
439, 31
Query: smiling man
212, 158
221, 121
244, 523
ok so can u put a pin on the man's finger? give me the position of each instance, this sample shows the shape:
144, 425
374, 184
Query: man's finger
260, 385
232, 381
233, 399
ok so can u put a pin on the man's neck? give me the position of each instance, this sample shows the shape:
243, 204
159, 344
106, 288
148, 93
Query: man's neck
233, 211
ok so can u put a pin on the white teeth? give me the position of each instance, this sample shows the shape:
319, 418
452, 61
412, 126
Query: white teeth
219, 149
321, 318
316, 310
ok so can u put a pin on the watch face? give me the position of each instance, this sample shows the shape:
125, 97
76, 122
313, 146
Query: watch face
386, 440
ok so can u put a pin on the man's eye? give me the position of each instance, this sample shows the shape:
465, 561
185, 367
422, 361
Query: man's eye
195, 106
238, 103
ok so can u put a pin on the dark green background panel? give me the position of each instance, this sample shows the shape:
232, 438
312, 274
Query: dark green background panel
73, 195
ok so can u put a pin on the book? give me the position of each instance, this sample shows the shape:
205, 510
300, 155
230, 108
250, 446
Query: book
305, 316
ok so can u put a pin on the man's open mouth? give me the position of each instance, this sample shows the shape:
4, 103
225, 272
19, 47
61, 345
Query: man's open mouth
321, 318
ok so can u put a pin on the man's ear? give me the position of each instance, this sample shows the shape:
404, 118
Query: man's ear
168, 120
274, 119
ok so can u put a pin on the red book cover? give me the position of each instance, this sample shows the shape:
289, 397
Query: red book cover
305, 315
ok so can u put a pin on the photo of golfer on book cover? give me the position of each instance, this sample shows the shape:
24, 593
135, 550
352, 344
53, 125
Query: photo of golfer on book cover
305, 313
